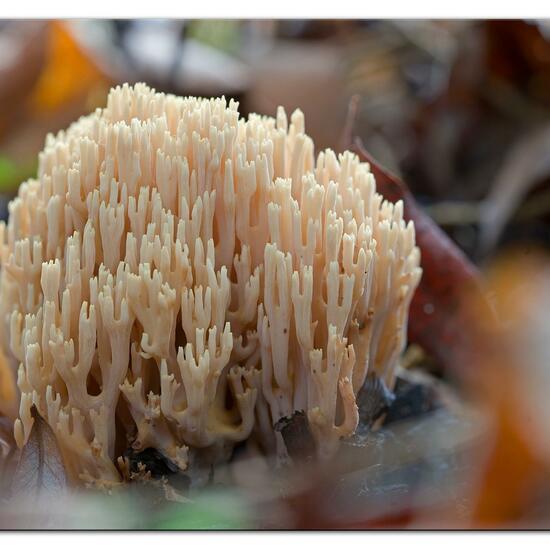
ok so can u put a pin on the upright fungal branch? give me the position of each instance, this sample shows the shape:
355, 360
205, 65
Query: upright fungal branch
178, 277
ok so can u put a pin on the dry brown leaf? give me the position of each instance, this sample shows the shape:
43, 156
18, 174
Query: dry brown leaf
40, 469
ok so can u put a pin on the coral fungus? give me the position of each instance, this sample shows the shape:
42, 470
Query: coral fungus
179, 277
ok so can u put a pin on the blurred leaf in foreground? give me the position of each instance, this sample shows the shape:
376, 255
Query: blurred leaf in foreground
512, 385
215, 510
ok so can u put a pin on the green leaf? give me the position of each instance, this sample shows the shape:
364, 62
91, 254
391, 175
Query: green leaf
209, 511
12, 174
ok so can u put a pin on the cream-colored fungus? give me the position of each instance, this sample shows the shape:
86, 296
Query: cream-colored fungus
179, 277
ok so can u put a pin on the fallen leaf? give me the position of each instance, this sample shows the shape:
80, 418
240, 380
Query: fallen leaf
40, 469
512, 487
